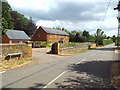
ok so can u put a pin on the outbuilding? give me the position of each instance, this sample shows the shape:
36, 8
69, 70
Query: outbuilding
15, 36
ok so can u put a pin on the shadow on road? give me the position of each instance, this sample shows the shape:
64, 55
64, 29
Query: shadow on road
95, 74
37, 85
105, 49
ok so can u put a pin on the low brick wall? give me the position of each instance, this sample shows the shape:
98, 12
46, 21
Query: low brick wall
7, 48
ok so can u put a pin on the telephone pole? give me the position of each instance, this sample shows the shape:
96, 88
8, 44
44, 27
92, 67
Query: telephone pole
118, 36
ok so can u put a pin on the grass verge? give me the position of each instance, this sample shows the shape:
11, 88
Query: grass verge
76, 52
116, 81
14, 63
116, 74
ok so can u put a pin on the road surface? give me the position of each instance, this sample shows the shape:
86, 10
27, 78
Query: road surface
86, 70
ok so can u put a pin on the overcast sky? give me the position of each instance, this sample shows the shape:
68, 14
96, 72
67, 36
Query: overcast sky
70, 14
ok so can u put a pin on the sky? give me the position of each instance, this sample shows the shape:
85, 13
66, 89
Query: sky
71, 14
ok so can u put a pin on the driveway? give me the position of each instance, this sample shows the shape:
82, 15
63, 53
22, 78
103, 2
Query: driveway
41, 55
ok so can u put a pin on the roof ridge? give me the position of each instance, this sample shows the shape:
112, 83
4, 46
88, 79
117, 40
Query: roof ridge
14, 30
54, 31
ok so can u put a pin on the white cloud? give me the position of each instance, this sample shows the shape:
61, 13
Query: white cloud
111, 32
73, 16
32, 4
110, 23
48, 23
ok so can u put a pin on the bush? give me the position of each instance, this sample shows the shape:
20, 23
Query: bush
38, 44
106, 42
99, 41
49, 45
70, 44
117, 43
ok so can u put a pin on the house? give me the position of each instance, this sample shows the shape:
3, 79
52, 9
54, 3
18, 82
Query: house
50, 35
15, 36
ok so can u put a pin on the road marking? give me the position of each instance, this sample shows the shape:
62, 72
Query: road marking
2, 72
54, 79
81, 61
92, 55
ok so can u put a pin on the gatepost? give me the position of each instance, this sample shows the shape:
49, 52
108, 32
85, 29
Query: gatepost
56, 51
29, 50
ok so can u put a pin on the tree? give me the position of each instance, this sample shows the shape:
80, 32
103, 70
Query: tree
85, 35
4, 25
22, 23
77, 37
91, 38
99, 35
108, 37
114, 38
14, 20
7, 21
30, 27
19, 20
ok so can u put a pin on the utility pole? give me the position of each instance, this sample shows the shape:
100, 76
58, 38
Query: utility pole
118, 36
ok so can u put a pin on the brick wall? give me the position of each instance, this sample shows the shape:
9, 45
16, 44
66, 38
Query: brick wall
25, 48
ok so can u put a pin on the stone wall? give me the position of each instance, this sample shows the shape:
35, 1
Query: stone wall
11, 48
117, 50
93, 45
81, 47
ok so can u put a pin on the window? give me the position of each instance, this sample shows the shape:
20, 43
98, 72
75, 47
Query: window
50, 35
61, 39
38, 35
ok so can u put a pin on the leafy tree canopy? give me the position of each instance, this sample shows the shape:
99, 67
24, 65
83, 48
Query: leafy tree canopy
14, 20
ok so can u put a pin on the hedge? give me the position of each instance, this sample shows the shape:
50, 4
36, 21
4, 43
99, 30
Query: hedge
106, 42
38, 44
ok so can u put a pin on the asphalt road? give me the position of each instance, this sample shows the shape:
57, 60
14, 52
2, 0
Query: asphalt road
89, 69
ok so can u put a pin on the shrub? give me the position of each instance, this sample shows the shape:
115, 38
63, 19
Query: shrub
38, 44
117, 43
106, 42
49, 45
70, 44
